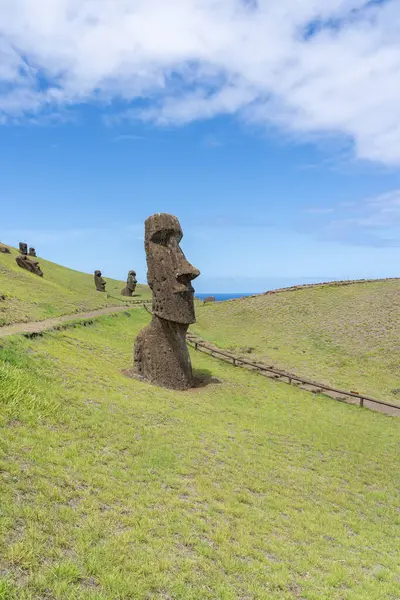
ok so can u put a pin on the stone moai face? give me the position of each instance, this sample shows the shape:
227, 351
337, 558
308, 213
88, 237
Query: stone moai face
99, 282
131, 278
169, 274
23, 248
30, 265
32, 252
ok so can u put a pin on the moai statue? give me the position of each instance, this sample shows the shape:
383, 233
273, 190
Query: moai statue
30, 265
23, 248
32, 252
209, 299
161, 353
131, 282
99, 282
4, 249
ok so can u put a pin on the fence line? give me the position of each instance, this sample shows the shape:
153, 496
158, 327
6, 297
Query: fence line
129, 302
203, 346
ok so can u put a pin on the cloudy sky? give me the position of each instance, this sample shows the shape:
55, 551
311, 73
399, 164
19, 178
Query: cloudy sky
271, 129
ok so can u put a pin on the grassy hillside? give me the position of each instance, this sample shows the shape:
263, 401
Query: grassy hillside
345, 336
241, 489
61, 291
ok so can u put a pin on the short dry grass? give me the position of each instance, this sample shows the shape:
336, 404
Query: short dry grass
61, 291
344, 336
112, 489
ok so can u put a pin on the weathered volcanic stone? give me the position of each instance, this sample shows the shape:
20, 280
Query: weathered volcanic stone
131, 282
32, 252
4, 249
30, 265
161, 353
23, 248
99, 282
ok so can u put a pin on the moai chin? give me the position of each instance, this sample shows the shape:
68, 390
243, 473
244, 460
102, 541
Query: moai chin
23, 248
99, 282
161, 353
32, 252
30, 265
131, 282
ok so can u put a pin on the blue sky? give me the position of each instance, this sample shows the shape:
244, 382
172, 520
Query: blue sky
280, 155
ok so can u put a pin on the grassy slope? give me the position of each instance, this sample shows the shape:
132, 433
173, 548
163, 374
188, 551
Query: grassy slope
114, 489
345, 336
61, 291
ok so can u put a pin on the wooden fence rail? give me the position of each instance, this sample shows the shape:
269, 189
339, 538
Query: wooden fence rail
273, 372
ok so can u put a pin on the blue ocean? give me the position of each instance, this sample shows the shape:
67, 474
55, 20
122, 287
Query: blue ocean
222, 297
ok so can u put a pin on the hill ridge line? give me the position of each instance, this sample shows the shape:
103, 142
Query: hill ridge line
304, 286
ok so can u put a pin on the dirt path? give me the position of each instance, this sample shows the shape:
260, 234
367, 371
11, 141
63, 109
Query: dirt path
39, 326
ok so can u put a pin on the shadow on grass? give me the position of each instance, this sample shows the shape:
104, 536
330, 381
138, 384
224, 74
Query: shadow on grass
204, 377
201, 378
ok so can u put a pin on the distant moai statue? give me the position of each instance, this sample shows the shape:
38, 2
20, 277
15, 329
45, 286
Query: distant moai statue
4, 249
99, 282
161, 353
32, 252
30, 265
23, 248
131, 282
209, 299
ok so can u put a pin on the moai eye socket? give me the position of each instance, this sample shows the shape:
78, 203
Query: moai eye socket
165, 236
161, 238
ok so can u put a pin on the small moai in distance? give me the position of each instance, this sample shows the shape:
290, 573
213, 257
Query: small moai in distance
30, 265
161, 353
131, 282
99, 282
4, 249
209, 299
23, 248
32, 252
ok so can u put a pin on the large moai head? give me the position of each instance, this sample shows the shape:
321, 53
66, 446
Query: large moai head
169, 274
32, 252
23, 248
30, 265
99, 282
131, 281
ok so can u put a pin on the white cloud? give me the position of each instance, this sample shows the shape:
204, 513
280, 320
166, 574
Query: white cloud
380, 212
307, 66
373, 221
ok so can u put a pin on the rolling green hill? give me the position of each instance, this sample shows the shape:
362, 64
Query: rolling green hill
346, 336
243, 488
61, 291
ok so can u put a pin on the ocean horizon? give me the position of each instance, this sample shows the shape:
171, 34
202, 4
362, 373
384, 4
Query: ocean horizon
223, 297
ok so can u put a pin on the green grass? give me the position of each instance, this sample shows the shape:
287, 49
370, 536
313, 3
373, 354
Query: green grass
112, 489
61, 291
344, 336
